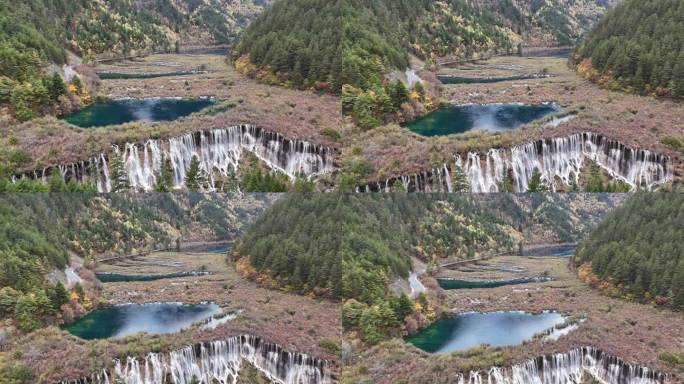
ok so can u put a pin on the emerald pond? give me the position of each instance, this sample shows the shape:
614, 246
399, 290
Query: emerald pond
467, 284
107, 277
125, 76
447, 79
112, 112
210, 247
479, 117
129, 319
561, 250
498, 329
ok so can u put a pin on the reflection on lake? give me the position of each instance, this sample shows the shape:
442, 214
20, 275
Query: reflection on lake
129, 319
469, 330
113, 112
485, 117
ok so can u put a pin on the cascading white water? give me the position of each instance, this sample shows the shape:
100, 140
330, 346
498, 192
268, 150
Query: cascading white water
573, 367
558, 160
219, 152
216, 362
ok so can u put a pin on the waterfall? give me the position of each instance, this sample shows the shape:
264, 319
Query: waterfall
558, 160
215, 362
568, 368
219, 152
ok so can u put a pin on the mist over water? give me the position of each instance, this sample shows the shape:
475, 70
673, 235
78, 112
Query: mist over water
124, 111
129, 319
483, 117
469, 330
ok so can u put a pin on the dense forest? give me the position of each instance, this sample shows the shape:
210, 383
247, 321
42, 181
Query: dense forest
38, 232
638, 250
378, 37
374, 234
296, 43
375, 42
637, 47
327, 44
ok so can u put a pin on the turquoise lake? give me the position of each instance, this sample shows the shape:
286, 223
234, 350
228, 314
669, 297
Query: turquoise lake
479, 117
118, 277
445, 79
114, 112
129, 319
467, 284
498, 329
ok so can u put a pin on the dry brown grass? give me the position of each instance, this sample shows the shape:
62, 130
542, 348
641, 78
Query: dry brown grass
635, 332
295, 322
640, 122
292, 113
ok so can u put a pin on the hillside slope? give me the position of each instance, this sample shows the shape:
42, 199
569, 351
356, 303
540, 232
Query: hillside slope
42, 234
381, 36
36, 37
374, 237
355, 247
635, 251
377, 36
122, 27
637, 47
295, 42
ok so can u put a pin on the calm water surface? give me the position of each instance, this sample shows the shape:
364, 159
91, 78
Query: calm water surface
469, 330
467, 284
115, 112
129, 319
479, 117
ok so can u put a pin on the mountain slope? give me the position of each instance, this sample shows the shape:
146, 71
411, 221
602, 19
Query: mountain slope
296, 42
379, 37
375, 236
351, 247
35, 34
635, 251
117, 27
41, 234
637, 47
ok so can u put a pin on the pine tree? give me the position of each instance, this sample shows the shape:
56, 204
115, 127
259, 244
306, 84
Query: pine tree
58, 296
57, 87
78, 85
399, 94
118, 174
460, 182
594, 183
678, 77
418, 87
536, 184
56, 183
397, 186
194, 177
403, 307
164, 178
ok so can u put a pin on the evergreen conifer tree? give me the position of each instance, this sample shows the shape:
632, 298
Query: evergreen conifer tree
117, 173
195, 179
